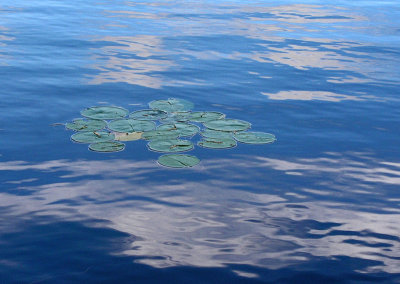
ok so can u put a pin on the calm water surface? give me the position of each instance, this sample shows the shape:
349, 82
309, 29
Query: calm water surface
320, 205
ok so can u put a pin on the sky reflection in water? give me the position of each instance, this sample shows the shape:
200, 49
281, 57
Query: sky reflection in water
324, 79
209, 221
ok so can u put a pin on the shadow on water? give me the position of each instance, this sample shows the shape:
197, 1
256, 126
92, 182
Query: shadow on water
45, 249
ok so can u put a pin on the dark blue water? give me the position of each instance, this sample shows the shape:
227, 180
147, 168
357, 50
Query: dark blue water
320, 205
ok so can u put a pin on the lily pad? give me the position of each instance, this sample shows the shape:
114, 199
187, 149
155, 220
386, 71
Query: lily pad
217, 143
178, 161
204, 116
128, 136
148, 114
229, 125
255, 137
170, 146
81, 124
209, 133
160, 135
131, 125
104, 112
92, 136
184, 129
107, 147
176, 117
171, 105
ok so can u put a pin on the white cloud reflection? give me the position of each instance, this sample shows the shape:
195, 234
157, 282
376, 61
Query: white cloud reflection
315, 95
246, 218
139, 68
142, 59
5, 38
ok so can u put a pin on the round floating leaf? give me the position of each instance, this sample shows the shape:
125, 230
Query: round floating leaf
128, 136
176, 117
167, 146
92, 136
148, 114
131, 125
107, 147
209, 133
184, 129
171, 105
217, 143
204, 116
81, 124
178, 161
104, 112
254, 137
160, 135
227, 125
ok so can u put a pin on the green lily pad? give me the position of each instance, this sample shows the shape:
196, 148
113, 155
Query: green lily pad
215, 143
133, 136
204, 116
81, 124
170, 146
229, 125
92, 136
176, 117
148, 114
209, 133
104, 112
131, 125
178, 161
255, 137
107, 147
184, 129
171, 105
160, 135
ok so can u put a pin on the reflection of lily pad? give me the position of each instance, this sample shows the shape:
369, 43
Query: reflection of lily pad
176, 117
131, 125
92, 136
174, 145
203, 116
171, 105
128, 136
160, 135
178, 161
81, 124
105, 112
254, 137
227, 125
217, 143
107, 147
148, 114
184, 129
209, 133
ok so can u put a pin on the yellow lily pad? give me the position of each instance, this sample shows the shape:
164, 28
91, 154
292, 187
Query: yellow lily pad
133, 136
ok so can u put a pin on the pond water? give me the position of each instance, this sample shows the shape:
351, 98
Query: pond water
319, 205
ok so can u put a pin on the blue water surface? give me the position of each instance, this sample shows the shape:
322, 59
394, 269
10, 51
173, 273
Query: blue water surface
320, 205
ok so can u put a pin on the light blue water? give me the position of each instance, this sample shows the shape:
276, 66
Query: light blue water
319, 205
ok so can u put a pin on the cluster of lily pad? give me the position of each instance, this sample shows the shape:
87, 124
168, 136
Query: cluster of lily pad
106, 127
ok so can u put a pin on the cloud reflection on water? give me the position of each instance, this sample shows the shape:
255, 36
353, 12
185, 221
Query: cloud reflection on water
270, 212
133, 60
315, 95
212, 221
284, 36
5, 38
